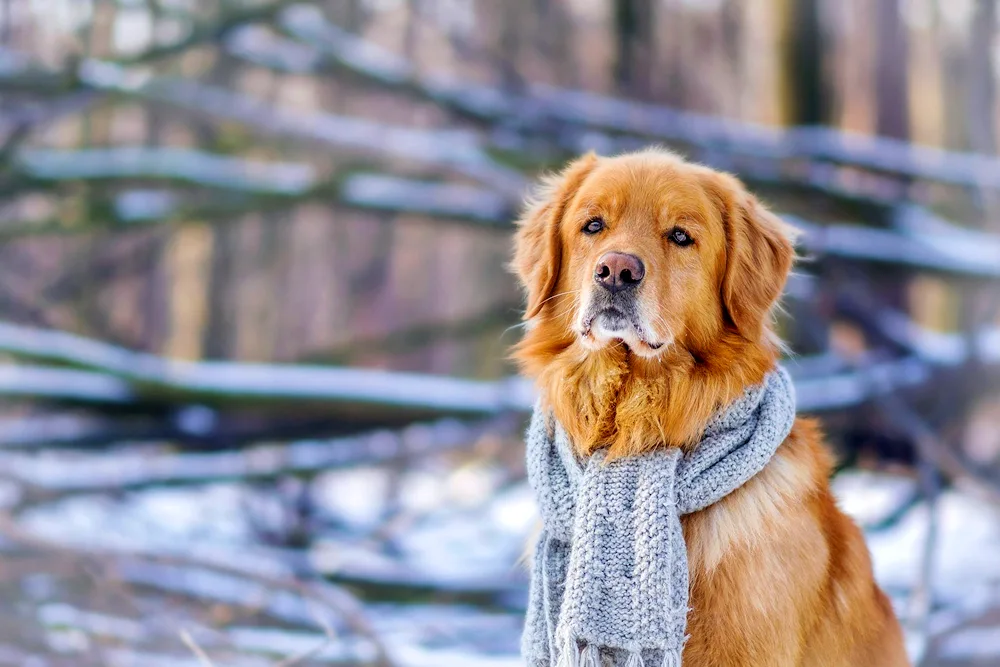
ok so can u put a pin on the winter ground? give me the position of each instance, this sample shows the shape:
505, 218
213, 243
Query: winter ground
420, 561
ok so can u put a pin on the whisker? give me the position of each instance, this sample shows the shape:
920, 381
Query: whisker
518, 325
569, 308
572, 291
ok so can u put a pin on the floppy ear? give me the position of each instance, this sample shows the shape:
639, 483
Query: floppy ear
537, 248
759, 255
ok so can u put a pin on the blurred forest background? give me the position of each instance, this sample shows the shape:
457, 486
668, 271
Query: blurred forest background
254, 402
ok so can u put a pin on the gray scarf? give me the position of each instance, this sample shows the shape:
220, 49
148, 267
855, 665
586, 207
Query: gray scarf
610, 576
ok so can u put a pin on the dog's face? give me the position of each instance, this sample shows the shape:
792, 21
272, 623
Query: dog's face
648, 251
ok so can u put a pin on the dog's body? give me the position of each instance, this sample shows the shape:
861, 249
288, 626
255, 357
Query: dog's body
650, 284
779, 576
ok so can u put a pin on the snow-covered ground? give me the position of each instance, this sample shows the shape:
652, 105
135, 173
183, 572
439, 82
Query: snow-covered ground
434, 550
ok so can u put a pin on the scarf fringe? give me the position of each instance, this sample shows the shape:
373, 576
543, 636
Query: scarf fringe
570, 656
591, 656
671, 659
635, 660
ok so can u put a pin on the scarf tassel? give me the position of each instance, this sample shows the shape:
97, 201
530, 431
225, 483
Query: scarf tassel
570, 656
635, 660
671, 659
591, 656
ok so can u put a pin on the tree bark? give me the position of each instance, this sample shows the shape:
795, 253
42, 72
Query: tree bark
633, 24
982, 95
807, 95
892, 110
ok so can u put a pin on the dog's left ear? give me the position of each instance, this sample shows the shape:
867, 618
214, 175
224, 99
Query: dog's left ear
759, 255
537, 247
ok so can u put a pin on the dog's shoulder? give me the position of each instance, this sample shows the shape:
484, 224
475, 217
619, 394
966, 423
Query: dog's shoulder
761, 508
761, 554
779, 548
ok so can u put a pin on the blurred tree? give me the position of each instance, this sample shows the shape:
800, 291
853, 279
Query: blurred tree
982, 112
892, 118
512, 42
633, 25
807, 97
952, 27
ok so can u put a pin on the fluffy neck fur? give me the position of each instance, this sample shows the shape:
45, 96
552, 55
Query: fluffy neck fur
613, 397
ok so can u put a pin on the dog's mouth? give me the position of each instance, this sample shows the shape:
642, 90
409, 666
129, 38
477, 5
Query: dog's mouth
612, 323
613, 319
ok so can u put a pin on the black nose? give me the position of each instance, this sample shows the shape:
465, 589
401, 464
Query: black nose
617, 271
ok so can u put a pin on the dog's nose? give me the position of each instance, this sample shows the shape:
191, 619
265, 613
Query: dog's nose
617, 271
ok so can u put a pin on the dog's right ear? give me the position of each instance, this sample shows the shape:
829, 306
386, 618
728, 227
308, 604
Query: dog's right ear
537, 249
759, 254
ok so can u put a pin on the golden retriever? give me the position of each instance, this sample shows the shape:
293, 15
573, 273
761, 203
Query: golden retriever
650, 284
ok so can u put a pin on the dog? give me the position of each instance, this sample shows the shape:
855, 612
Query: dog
650, 285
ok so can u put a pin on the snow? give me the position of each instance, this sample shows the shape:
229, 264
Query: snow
975, 643
869, 497
966, 555
458, 525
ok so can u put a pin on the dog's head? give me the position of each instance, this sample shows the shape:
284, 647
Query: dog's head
650, 252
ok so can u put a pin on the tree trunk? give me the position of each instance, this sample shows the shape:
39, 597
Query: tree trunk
807, 96
892, 110
634, 21
982, 95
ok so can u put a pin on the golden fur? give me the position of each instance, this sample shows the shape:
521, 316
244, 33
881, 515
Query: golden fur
779, 576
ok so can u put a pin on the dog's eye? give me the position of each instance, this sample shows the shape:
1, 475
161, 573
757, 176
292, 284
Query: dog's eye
680, 237
593, 226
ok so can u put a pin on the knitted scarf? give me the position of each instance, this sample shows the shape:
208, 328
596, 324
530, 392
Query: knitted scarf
609, 582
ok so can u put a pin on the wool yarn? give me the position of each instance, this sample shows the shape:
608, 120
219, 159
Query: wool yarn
609, 581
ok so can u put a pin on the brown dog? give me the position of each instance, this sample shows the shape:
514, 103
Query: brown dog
650, 284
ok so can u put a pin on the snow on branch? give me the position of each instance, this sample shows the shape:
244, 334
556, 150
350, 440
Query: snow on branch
545, 107
118, 375
180, 164
456, 150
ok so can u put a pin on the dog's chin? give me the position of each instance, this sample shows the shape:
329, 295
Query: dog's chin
611, 327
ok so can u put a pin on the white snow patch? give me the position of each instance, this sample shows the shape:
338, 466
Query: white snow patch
975, 643
356, 496
868, 496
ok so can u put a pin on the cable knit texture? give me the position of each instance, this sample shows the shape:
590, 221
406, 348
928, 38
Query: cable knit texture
609, 583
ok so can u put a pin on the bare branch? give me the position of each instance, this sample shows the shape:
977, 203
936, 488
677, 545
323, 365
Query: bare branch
453, 150
197, 650
545, 107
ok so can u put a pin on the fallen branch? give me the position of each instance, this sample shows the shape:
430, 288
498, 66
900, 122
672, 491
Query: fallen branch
143, 468
855, 242
116, 375
178, 164
454, 150
545, 108
132, 375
